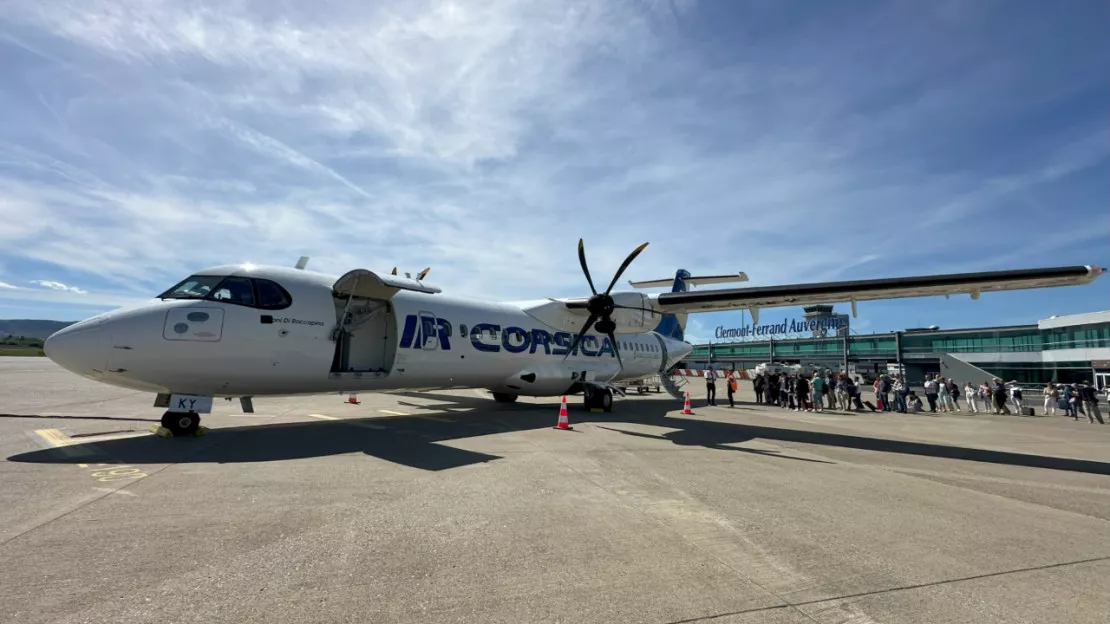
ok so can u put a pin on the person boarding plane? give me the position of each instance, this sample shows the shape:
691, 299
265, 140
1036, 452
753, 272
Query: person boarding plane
246, 331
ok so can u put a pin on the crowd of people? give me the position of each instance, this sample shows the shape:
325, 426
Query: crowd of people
817, 391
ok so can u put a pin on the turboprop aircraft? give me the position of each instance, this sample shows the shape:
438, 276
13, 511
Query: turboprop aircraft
245, 331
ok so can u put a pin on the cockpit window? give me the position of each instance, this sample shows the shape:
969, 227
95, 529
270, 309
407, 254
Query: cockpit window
234, 290
244, 291
270, 295
192, 287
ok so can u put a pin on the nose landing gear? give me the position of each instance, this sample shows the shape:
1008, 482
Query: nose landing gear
181, 423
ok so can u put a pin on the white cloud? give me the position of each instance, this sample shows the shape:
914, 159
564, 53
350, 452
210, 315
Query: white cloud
7, 285
483, 139
52, 285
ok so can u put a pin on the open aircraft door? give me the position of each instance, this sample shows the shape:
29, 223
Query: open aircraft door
366, 330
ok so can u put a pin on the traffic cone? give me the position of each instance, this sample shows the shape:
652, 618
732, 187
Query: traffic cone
564, 422
686, 406
353, 399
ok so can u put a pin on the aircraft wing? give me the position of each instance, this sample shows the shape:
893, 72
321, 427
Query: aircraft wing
973, 284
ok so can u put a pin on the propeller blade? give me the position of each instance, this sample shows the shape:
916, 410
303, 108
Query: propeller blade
616, 349
582, 261
579, 335
627, 261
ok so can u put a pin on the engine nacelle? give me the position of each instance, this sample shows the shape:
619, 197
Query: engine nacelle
556, 314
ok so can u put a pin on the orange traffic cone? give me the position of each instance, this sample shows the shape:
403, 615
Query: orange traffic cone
353, 399
686, 406
564, 422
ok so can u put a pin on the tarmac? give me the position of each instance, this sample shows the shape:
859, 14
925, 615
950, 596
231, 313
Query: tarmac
449, 507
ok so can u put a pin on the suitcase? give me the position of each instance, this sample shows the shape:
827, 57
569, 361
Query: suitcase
1028, 411
869, 406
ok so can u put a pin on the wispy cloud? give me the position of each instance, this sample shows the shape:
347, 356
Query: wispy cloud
52, 285
8, 286
145, 140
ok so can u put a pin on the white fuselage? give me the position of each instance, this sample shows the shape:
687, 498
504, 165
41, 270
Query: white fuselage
321, 342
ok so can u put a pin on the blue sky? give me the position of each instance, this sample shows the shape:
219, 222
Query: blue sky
795, 141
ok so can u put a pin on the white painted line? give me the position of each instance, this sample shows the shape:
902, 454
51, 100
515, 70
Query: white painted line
323, 417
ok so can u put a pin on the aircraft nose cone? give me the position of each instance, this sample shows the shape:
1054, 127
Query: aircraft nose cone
82, 349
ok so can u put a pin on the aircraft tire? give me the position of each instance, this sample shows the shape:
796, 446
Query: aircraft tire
605, 399
181, 423
504, 397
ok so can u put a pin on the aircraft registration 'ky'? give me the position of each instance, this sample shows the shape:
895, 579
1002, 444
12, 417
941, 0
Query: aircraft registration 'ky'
491, 338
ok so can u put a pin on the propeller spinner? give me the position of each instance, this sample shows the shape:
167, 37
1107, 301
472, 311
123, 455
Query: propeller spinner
601, 305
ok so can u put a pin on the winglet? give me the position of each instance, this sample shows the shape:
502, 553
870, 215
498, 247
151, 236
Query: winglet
302, 263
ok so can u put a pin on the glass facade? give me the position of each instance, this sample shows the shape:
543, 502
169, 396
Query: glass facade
1023, 339
927, 344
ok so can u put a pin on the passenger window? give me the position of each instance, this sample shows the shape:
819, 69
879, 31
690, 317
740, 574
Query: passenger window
271, 296
234, 290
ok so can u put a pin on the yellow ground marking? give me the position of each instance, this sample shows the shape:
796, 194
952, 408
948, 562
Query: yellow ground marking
104, 473
384, 411
323, 417
62, 442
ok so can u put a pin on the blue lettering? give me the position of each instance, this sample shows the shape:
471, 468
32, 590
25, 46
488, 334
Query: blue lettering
476, 337
508, 343
409, 332
562, 343
540, 337
606, 347
587, 340
444, 334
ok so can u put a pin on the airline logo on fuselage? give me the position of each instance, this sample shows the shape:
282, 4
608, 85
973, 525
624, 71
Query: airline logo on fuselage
492, 338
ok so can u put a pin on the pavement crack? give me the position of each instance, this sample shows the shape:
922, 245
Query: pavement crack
889, 590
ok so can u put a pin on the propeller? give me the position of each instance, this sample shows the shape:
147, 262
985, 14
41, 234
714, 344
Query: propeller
601, 305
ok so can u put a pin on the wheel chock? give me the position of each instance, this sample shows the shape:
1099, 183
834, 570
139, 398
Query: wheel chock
597, 410
162, 432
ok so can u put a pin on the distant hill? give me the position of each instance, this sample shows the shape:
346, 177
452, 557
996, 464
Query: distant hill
31, 328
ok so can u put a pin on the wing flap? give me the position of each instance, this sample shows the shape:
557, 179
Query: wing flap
869, 290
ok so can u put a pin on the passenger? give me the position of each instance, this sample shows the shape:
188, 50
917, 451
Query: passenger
730, 385
998, 392
842, 399
1090, 403
818, 393
1015, 396
954, 394
899, 394
801, 393
944, 395
1051, 398
710, 385
931, 394
970, 394
828, 390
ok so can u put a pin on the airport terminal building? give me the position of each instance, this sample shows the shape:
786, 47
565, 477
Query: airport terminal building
1061, 349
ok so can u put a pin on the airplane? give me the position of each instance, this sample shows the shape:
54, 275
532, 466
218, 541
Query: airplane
246, 331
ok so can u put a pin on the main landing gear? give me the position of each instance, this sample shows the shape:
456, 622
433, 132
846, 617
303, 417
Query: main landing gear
181, 423
598, 398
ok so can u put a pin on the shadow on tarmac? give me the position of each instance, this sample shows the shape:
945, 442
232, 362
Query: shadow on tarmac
414, 440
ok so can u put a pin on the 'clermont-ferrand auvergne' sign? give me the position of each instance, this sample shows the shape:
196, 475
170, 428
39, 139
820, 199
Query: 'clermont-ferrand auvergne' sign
786, 327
